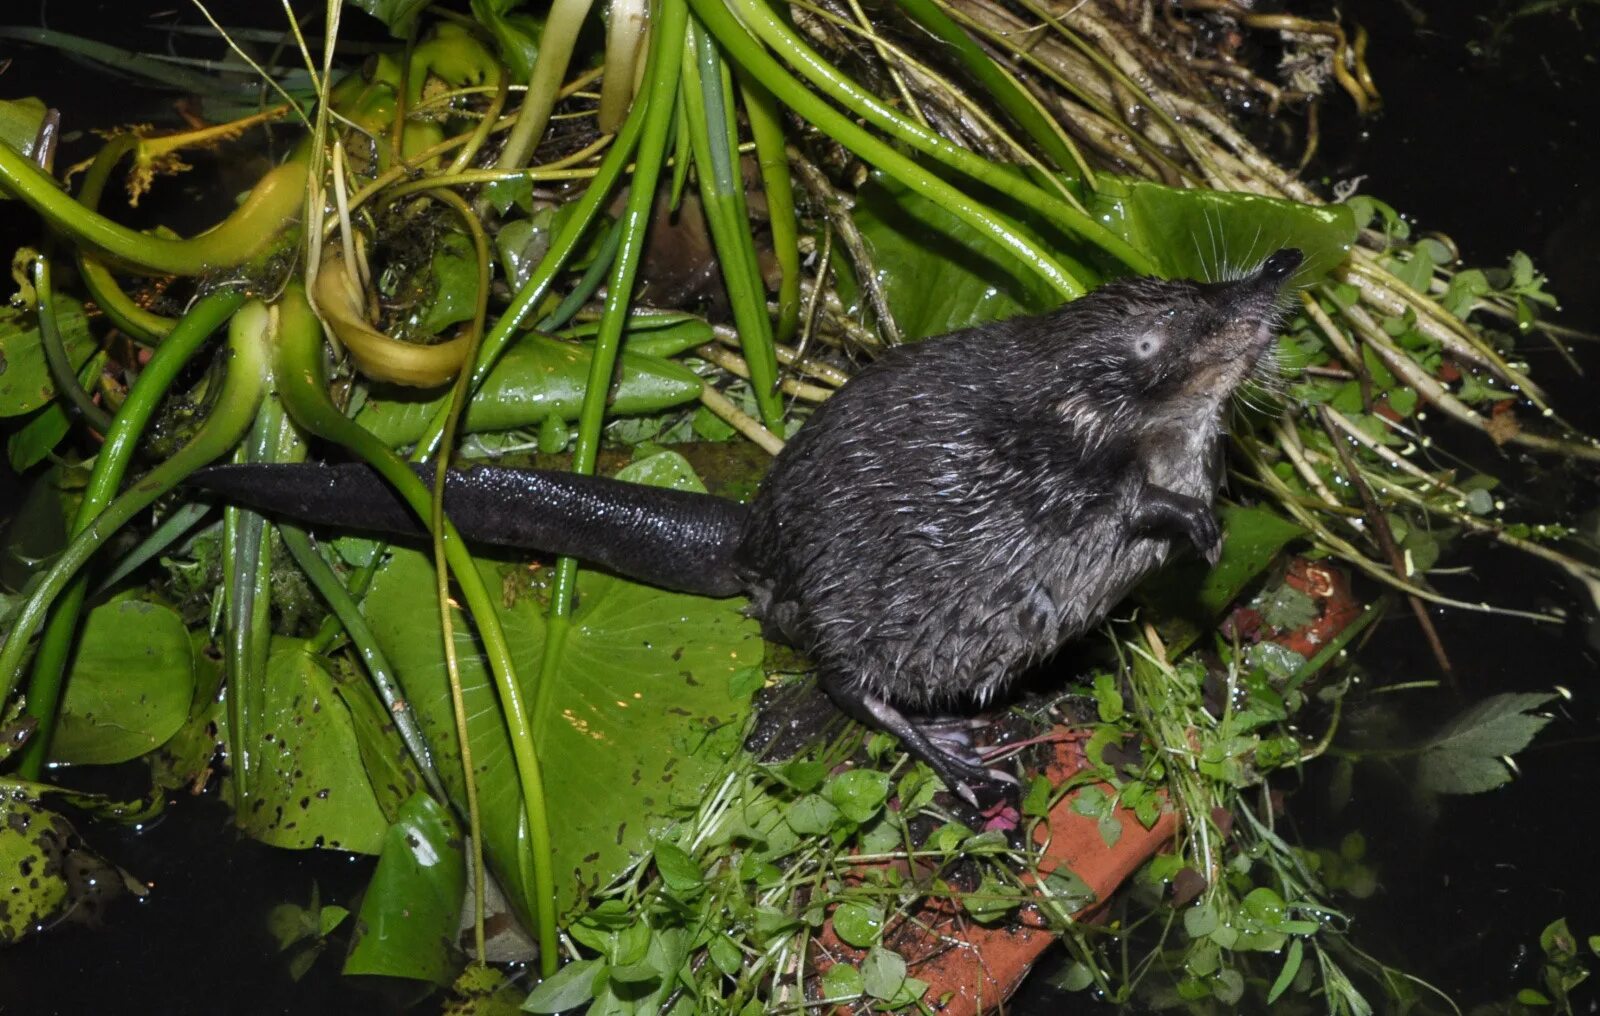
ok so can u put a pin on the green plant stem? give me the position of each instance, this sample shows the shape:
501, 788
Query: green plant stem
143, 326
344, 607
100, 516
748, 52
480, 133
134, 320
587, 284
303, 389
658, 102
710, 120
237, 239
544, 81
458, 702
562, 249
999, 83
766, 129
170, 531
247, 582
55, 351
772, 30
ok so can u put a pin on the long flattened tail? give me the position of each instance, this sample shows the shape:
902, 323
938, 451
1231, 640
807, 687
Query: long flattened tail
669, 538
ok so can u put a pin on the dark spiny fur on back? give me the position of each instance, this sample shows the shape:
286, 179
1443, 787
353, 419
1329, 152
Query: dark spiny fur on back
964, 505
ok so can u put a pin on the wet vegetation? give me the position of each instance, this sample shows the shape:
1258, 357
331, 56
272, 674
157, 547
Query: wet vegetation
647, 240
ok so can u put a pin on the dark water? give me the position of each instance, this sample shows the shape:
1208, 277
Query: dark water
1491, 152
1491, 149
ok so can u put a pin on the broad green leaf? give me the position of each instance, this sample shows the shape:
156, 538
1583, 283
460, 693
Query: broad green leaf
25, 383
567, 988
859, 793
129, 686
30, 443
535, 379
678, 870
1465, 756
938, 273
842, 982
20, 120
1200, 920
31, 840
449, 286
412, 906
1075, 977
306, 783
991, 901
811, 815
391, 771
398, 15
516, 35
641, 683
1204, 234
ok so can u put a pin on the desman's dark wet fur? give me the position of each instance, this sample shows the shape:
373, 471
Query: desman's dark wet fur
959, 509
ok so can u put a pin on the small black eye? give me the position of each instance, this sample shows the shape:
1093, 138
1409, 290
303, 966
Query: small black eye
1147, 346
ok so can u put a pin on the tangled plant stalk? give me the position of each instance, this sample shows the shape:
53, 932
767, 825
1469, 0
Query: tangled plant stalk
430, 274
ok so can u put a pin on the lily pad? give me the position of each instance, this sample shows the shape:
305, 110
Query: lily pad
129, 686
49, 875
623, 725
306, 784
1205, 234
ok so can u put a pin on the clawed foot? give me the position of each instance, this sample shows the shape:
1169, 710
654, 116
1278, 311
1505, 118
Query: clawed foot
945, 745
1160, 509
1206, 535
957, 763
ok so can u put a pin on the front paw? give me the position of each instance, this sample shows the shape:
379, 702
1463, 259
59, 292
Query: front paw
1206, 535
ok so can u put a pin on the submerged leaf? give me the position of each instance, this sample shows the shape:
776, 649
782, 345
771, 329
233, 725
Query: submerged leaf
1465, 757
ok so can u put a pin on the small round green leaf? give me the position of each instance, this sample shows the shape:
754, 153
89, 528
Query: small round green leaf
859, 793
858, 924
883, 973
841, 983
